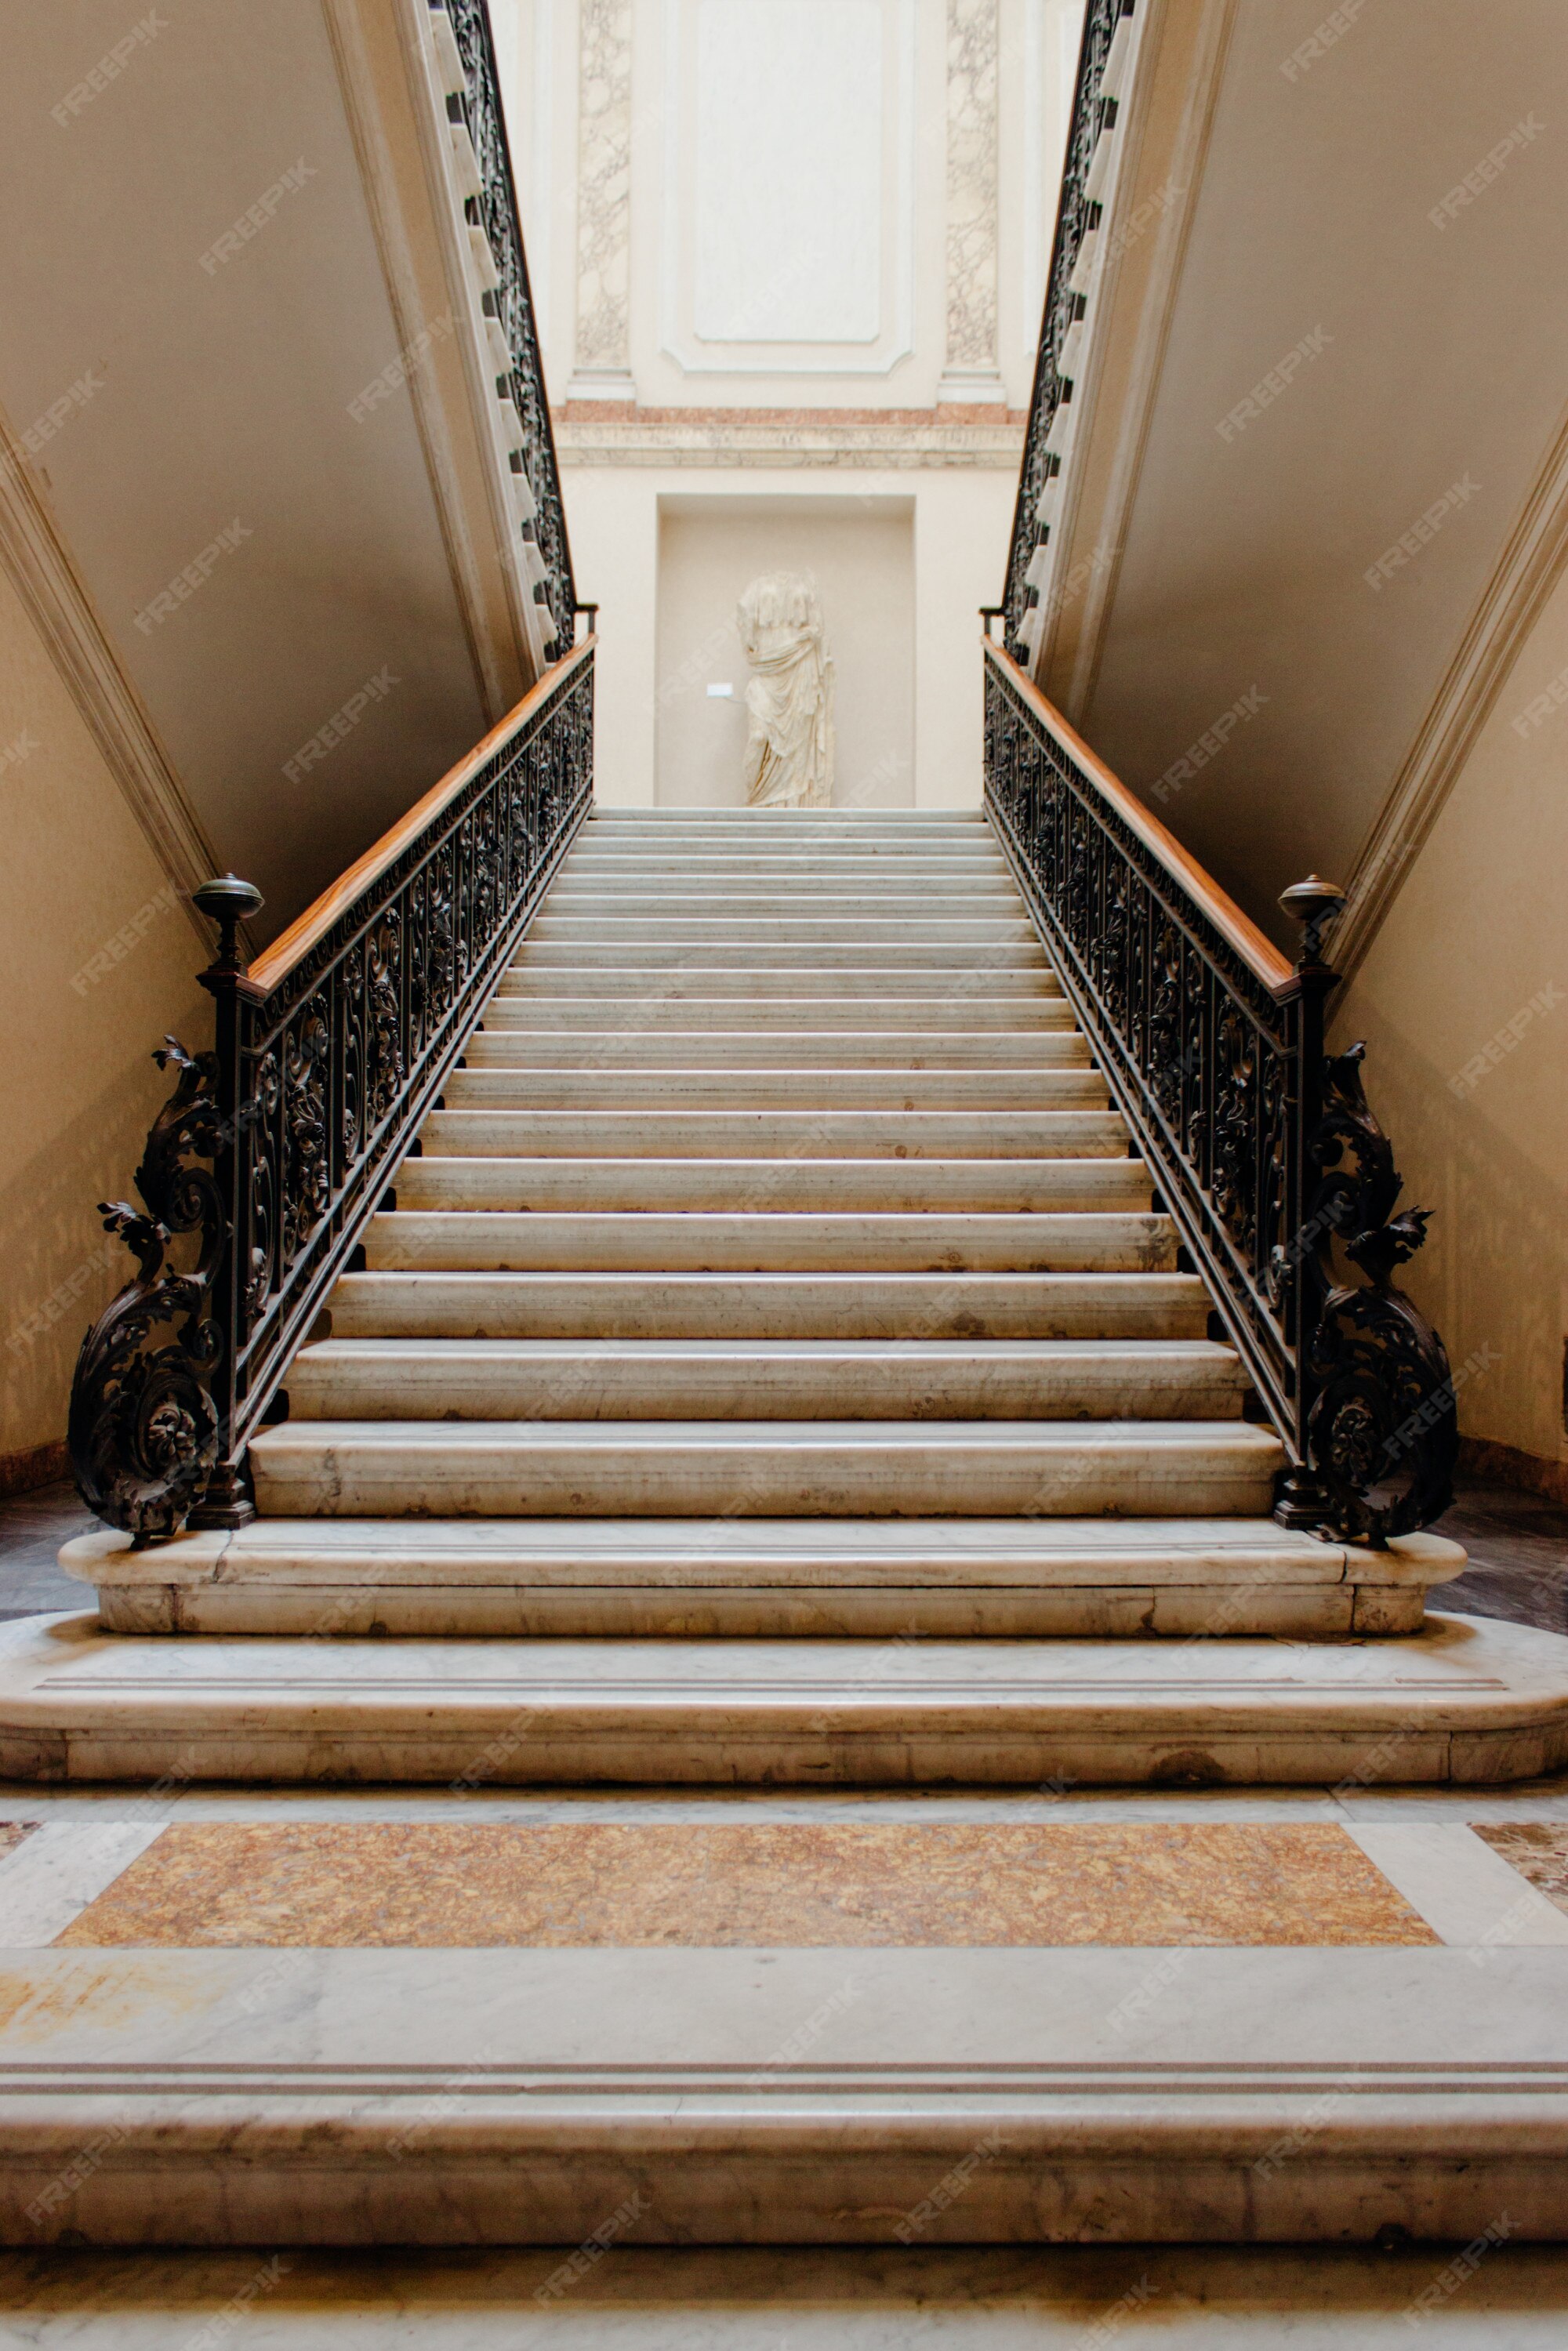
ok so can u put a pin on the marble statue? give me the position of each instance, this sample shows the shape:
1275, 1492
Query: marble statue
789, 698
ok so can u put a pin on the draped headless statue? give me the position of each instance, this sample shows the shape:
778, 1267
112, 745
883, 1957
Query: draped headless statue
789, 698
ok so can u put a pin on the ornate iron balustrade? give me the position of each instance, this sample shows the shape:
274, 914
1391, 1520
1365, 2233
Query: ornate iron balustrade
1260, 1144
495, 210
1077, 214
329, 1052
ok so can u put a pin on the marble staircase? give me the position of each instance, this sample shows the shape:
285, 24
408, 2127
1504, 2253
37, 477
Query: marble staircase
774, 1351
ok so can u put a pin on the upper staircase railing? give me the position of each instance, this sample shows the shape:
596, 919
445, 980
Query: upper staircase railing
1076, 217
277, 1145
477, 107
1259, 1143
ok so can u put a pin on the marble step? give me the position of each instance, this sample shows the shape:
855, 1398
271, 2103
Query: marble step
790, 824
964, 988
957, 852
506, 1086
769, 1306
511, 1046
768, 1240
904, 1187
707, 955
586, 890
775, 1579
1468, 1700
922, 2102
821, 1469
778, 1133
1010, 1014
877, 861
806, 926
796, 876
764, 1379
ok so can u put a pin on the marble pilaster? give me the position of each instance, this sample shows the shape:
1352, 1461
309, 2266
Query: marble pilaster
603, 202
971, 372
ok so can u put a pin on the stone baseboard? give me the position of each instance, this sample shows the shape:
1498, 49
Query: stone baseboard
34, 1466
1509, 1464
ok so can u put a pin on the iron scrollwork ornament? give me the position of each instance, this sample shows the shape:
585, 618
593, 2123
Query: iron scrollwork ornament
1383, 1431
143, 1430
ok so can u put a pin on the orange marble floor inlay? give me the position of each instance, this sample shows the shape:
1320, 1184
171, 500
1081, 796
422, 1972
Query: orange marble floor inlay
787, 1884
11, 1833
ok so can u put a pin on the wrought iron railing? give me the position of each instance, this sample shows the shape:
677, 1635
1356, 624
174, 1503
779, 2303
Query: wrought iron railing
1260, 1144
1078, 213
495, 210
278, 1145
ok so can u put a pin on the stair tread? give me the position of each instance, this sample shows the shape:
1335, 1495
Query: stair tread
829, 1350
940, 1134
1245, 1545
935, 1239
1461, 1670
636, 1186
762, 1436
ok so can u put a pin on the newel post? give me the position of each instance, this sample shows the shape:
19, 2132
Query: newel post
1303, 1501
228, 902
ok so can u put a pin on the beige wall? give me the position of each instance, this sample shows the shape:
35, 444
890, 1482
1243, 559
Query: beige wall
1207, 553
1475, 942
862, 562
97, 956
211, 396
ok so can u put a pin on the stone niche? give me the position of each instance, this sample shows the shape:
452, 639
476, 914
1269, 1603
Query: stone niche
859, 551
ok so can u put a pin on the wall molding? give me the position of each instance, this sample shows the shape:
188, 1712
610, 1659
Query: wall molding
55, 596
678, 339
1532, 561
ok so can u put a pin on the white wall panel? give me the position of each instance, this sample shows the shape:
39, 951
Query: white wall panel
789, 217
787, 226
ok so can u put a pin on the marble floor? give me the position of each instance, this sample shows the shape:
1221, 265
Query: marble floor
1498, 2298
188, 1867
32, 1529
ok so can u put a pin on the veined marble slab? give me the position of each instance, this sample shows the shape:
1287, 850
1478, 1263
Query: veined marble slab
49, 1881
1465, 1891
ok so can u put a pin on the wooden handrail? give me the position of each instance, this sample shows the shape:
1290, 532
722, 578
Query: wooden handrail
1259, 953
279, 959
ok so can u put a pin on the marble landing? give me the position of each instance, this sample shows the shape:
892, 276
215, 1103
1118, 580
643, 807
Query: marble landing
1466, 1700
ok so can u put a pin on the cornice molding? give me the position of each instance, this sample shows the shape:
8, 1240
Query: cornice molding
1532, 561
893, 439
39, 565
